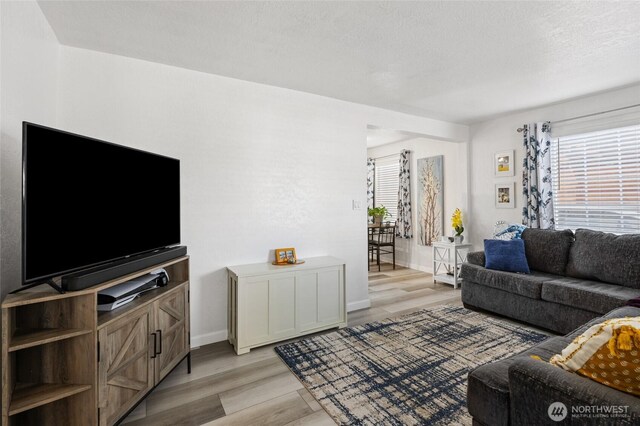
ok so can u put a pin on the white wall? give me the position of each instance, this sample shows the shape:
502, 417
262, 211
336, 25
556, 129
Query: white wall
408, 252
28, 86
500, 133
262, 167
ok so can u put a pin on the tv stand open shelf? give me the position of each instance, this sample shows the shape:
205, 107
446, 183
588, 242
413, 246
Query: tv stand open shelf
26, 338
26, 397
64, 362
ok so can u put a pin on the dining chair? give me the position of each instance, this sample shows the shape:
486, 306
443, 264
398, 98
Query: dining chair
382, 240
370, 241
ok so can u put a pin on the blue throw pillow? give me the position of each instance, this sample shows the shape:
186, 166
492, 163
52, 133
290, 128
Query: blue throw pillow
506, 256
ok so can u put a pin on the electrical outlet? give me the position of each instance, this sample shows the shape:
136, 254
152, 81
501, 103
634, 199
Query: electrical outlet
356, 205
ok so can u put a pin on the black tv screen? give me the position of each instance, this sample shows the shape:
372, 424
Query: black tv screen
87, 202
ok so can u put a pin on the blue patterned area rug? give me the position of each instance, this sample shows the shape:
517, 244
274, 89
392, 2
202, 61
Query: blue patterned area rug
410, 370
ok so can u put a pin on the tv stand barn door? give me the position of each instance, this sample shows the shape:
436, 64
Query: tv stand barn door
125, 367
172, 330
63, 362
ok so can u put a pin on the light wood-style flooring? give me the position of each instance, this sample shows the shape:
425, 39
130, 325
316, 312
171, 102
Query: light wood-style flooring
258, 388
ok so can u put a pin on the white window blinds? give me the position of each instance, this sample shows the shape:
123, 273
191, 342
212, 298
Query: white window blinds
386, 185
597, 180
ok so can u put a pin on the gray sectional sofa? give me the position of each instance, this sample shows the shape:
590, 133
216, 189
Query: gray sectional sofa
519, 390
576, 281
574, 278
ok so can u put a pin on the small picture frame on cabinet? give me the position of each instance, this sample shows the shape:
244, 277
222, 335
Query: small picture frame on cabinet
285, 256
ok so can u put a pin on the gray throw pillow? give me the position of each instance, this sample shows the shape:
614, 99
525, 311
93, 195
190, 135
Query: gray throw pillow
547, 250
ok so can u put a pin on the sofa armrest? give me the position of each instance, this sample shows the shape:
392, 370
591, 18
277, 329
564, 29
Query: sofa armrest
534, 385
476, 258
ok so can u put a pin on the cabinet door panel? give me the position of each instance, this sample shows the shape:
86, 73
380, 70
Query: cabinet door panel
306, 301
254, 319
330, 297
282, 317
171, 321
125, 371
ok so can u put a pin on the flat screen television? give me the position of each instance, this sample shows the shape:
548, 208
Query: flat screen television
87, 202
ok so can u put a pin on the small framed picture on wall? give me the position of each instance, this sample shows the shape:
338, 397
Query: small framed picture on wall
505, 195
504, 163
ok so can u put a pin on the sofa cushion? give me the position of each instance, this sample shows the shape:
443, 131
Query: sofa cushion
505, 256
625, 311
547, 250
593, 296
605, 257
488, 385
525, 285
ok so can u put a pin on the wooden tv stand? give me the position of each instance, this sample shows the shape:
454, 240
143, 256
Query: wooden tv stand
63, 362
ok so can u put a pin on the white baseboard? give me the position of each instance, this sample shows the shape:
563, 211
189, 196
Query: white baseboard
221, 335
205, 339
416, 267
359, 304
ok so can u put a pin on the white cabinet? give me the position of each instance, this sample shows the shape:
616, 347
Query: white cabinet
269, 303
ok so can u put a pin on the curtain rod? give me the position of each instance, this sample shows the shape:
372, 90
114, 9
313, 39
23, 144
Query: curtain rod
385, 156
521, 129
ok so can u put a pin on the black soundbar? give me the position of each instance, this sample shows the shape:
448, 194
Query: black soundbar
90, 277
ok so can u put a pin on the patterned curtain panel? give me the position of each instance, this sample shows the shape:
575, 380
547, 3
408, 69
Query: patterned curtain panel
536, 177
403, 228
371, 167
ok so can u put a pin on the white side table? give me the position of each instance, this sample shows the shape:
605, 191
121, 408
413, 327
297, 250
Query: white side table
447, 258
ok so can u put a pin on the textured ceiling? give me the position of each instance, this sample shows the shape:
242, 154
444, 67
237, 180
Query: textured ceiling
459, 61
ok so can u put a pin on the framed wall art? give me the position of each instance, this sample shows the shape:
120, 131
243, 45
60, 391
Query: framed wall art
505, 195
504, 163
430, 200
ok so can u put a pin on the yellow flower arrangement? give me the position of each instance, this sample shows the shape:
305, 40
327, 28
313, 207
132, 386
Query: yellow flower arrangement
456, 222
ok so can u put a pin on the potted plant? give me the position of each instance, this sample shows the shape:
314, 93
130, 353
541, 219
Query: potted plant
378, 214
456, 224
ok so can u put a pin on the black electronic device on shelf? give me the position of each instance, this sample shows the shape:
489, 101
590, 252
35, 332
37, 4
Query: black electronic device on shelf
121, 294
94, 210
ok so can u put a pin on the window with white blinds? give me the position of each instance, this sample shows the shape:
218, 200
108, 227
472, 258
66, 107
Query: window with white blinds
597, 180
387, 175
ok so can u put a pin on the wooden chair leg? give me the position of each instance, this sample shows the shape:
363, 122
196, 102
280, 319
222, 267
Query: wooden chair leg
394, 256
